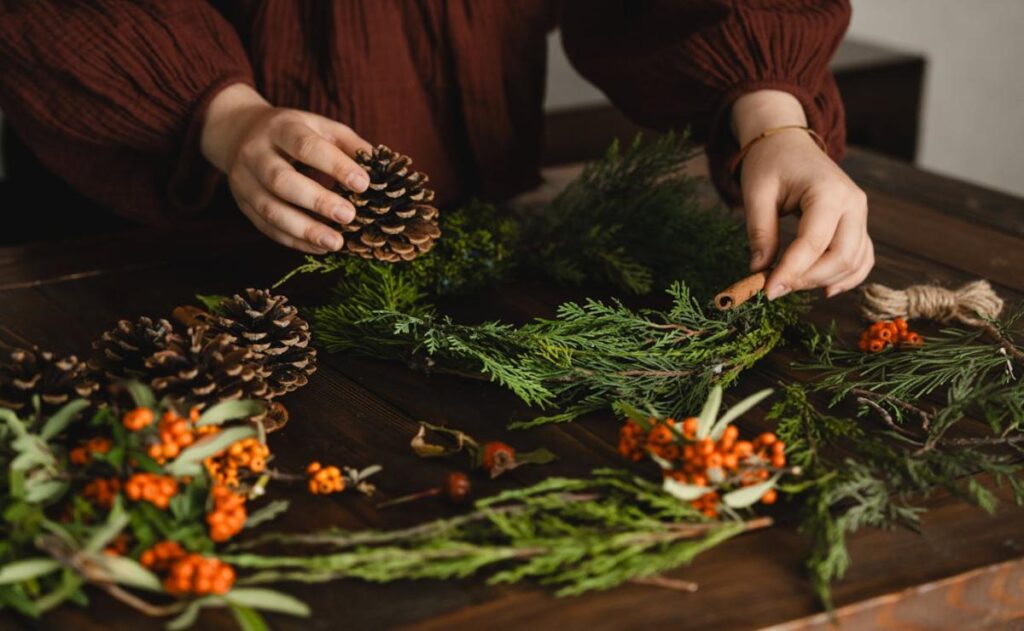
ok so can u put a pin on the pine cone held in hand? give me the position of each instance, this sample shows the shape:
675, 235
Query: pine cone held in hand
271, 328
25, 373
395, 218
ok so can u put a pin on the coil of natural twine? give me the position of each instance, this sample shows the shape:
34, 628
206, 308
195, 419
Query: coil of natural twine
974, 304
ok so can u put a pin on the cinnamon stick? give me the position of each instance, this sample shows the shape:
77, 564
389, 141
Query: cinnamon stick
741, 291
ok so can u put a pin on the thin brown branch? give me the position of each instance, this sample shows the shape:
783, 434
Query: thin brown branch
926, 417
1007, 344
887, 419
663, 582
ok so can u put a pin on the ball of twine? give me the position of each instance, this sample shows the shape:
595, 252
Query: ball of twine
974, 304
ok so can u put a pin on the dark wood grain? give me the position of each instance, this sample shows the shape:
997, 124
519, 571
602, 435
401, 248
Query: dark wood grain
360, 412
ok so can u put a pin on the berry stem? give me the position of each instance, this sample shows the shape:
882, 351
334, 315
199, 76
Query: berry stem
412, 497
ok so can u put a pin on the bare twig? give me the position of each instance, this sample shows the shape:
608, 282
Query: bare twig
674, 584
887, 418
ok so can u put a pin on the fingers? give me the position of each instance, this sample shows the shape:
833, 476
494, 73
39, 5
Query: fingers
761, 205
842, 258
814, 235
303, 143
342, 135
281, 179
281, 221
867, 261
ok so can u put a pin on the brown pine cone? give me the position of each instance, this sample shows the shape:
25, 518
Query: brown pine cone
269, 327
121, 352
25, 373
201, 369
395, 218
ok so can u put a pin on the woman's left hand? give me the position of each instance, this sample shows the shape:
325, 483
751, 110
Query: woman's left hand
788, 171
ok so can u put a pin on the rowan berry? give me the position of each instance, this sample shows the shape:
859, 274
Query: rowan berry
690, 427
228, 515
150, 487
138, 419
102, 491
161, 555
197, 575
498, 456
457, 487
769, 497
325, 480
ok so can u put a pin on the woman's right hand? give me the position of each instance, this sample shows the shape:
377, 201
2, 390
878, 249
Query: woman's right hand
257, 145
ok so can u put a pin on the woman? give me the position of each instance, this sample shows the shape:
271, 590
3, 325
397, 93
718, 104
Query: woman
146, 106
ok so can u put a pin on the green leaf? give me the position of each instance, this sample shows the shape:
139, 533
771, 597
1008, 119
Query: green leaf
39, 492
749, 495
141, 394
212, 302
127, 571
537, 456
61, 418
266, 513
19, 571
188, 462
190, 614
267, 600
737, 410
685, 492
709, 412
230, 411
116, 522
248, 619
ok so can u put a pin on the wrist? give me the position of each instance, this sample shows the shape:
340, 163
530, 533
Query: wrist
757, 111
228, 116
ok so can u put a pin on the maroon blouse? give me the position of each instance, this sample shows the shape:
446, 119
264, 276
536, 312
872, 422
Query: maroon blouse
110, 94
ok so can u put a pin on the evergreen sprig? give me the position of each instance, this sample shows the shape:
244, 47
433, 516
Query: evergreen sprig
880, 475
585, 359
576, 534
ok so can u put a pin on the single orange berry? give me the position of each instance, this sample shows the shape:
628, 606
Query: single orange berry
690, 427
769, 496
876, 346
499, 455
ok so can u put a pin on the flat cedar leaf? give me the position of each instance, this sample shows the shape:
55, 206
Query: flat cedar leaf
267, 600
685, 492
141, 394
709, 412
26, 569
61, 418
230, 411
127, 571
248, 619
266, 513
187, 463
748, 495
736, 411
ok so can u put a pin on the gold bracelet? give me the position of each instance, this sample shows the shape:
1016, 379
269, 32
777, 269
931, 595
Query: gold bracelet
737, 159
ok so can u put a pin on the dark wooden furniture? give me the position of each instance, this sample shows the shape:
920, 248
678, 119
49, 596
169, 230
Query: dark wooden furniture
964, 572
882, 90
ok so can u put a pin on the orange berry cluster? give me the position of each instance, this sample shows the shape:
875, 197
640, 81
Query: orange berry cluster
161, 555
194, 574
228, 515
176, 433
705, 462
138, 419
248, 453
155, 489
324, 480
82, 455
881, 335
102, 491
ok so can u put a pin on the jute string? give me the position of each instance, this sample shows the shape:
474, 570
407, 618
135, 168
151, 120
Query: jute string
974, 304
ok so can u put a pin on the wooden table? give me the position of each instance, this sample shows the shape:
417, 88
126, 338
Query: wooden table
965, 571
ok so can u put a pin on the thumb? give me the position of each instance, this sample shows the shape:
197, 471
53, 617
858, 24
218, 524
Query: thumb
760, 202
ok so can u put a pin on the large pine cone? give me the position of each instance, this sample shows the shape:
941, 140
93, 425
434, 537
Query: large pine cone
395, 219
121, 352
25, 373
202, 369
272, 329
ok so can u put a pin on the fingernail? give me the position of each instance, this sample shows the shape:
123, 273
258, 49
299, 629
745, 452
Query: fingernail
357, 182
332, 242
777, 291
342, 214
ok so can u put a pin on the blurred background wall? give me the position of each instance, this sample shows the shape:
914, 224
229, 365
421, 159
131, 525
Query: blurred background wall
972, 114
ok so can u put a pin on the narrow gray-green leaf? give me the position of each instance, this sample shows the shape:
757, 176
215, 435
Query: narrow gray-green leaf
248, 619
187, 463
685, 492
736, 411
26, 569
748, 495
709, 412
266, 513
268, 600
141, 394
230, 411
127, 571
61, 418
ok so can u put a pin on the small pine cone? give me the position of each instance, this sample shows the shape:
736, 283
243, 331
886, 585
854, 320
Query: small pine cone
395, 219
121, 352
269, 327
200, 369
25, 373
